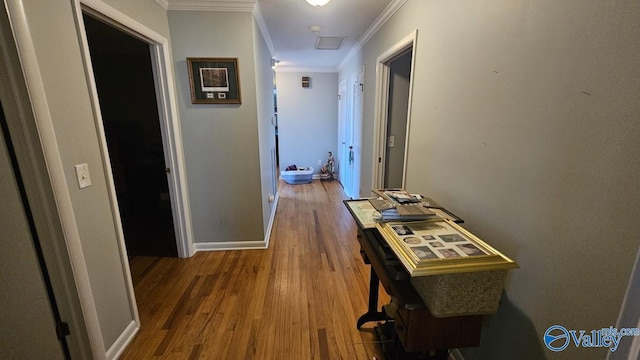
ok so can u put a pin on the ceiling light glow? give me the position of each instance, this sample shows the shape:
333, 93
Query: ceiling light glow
318, 2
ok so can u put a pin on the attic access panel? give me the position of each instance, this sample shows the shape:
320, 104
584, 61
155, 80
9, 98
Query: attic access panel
329, 42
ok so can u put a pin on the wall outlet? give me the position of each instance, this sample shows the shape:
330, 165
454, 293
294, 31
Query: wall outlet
319, 162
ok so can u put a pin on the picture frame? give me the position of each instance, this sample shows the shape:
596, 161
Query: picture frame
214, 80
394, 194
441, 246
363, 212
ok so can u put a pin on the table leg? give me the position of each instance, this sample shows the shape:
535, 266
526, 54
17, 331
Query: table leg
372, 313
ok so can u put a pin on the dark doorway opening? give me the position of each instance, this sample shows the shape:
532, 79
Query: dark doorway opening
124, 80
397, 119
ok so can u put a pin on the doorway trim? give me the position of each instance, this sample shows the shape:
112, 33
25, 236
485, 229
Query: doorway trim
171, 138
383, 71
167, 111
342, 133
33, 107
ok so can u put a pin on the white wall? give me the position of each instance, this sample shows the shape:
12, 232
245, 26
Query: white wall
525, 123
307, 118
221, 142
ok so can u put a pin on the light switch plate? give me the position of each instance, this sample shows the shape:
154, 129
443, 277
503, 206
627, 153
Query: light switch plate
82, 173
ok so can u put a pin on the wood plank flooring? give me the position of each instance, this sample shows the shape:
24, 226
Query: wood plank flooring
299, 299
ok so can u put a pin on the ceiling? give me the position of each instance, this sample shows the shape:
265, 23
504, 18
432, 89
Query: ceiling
286, 24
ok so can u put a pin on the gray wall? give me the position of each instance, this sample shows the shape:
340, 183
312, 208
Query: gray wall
223, 147
27, 326
525, 123
221, 142
630, 314
307, 118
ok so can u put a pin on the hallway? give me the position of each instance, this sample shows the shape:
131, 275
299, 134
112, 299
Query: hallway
299, 299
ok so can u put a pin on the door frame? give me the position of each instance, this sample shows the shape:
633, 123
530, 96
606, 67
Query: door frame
167, 112
383, 71
171, 138
29, 120
342, 133
357, 127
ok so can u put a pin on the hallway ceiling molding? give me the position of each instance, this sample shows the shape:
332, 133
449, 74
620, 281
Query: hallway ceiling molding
208, 5
285, 26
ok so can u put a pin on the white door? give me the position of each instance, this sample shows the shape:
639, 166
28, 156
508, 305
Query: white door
344, 136
356, 138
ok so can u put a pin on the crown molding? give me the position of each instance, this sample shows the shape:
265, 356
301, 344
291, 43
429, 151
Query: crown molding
262, 25
388, 12
208, 5
163, 3
285, 69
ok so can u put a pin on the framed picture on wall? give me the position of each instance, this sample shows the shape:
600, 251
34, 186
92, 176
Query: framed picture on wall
214, 80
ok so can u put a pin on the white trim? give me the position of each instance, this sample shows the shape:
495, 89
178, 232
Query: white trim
123, 340
379, 124
381, 106
174, 149
285, 69
163, 3
115, 212
211, 5
262, 25
44, 123
167, 111
388, 12
357, 130
274, 208
231, 245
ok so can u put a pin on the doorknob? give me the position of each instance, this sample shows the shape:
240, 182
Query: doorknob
167, 170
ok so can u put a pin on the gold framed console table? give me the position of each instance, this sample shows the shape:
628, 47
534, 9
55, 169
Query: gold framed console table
416, 329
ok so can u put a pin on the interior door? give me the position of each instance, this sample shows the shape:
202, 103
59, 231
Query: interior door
344, 136
128, 104
356, 136
27, 321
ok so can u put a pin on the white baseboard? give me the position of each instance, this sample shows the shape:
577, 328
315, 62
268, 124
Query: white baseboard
274, 207
242, 245
122, 341
230, 245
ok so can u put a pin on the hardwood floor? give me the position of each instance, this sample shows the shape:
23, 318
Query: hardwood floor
299, 299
